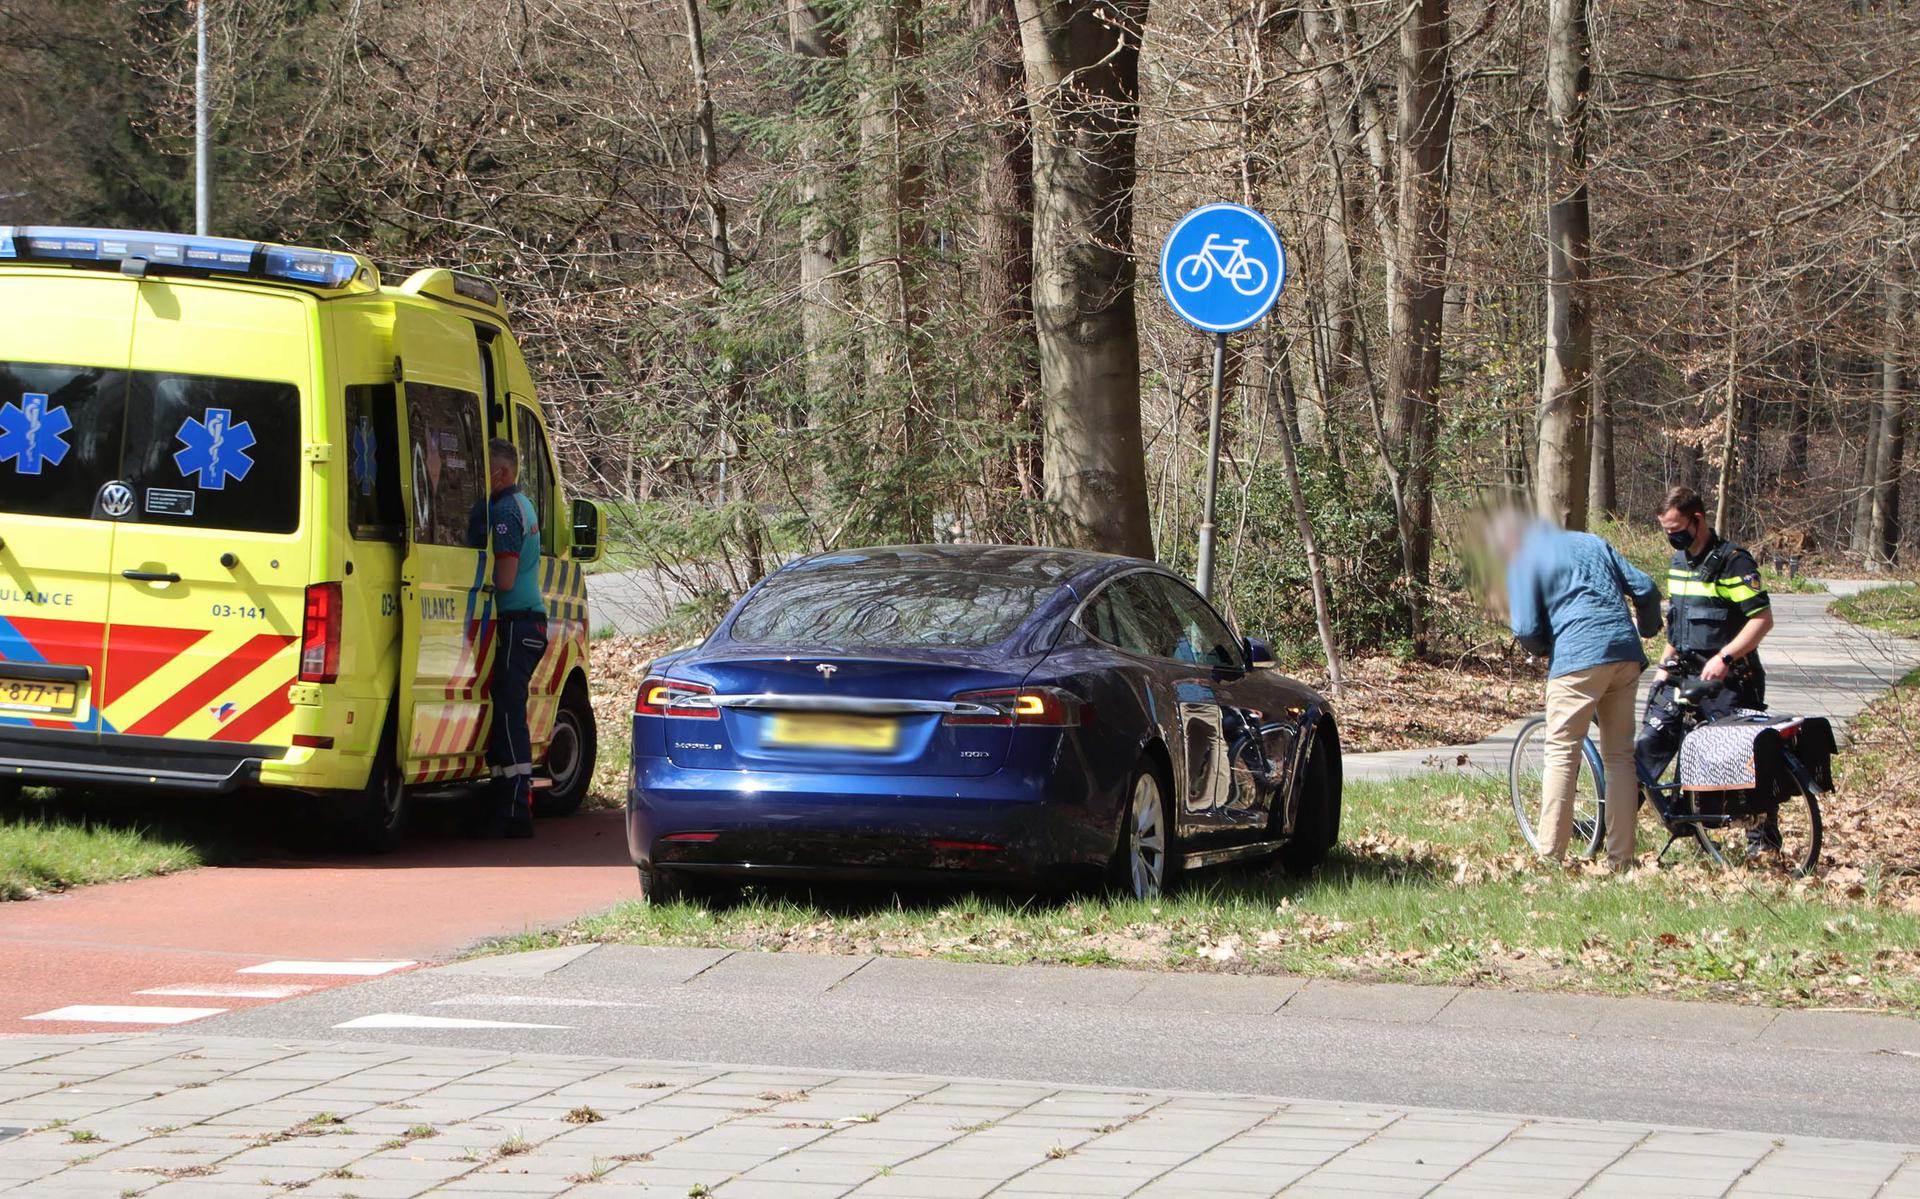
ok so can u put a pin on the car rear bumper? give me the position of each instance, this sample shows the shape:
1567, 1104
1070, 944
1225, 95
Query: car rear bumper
60, 757
1002, 826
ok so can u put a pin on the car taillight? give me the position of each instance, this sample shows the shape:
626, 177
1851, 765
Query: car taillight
667, 697
1008, 706
320, 634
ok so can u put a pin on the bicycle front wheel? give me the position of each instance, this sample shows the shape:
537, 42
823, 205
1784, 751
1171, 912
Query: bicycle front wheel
1786, 841
1526, 768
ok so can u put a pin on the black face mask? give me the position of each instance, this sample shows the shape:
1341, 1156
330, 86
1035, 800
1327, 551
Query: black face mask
1681, 540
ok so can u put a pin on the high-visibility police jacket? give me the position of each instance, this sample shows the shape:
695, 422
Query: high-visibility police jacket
1712, 597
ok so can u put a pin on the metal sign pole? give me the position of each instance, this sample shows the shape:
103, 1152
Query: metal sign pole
202, 171
1204, 580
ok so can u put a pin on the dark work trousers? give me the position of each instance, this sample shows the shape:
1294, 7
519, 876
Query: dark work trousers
522, 643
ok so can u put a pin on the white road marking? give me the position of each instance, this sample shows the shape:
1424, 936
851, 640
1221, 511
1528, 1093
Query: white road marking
361, 969
108, 1013
529, 1001
405, 1020
233, 991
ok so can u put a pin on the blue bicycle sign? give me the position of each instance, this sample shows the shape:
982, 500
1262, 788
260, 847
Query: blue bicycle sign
1222, 267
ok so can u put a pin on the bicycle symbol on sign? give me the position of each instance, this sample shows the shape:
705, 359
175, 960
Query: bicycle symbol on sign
1247, 275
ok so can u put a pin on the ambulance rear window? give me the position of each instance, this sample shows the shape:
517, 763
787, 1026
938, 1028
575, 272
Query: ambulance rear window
214, 453
59, 436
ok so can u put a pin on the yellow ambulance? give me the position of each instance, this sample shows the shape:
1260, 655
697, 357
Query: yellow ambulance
242, 526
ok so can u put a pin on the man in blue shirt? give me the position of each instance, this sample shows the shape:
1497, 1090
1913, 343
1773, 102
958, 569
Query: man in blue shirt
520, 643
1567, 598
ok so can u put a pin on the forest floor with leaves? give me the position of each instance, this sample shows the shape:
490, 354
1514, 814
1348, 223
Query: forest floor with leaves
1430, 884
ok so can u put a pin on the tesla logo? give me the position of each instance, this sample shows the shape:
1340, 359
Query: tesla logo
826, 670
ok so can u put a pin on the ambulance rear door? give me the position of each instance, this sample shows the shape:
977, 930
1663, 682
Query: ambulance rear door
446, 600
64, 337
210, 560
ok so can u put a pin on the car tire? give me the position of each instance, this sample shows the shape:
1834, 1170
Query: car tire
375, 819
1317, 827
662, 886
576, 743
1145, 857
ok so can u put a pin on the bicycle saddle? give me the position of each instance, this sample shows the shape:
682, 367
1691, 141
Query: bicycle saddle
1695, 690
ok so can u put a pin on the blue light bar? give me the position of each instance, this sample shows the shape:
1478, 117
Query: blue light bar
223, 255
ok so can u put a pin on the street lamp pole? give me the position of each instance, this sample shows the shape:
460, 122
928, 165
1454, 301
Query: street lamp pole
202, 168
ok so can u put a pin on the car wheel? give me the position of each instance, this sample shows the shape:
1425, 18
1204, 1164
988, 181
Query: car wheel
1318, 825
1143, 863
570, 755
661, 886
376, 815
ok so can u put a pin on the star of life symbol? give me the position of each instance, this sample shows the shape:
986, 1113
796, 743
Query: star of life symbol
32, 434
216, 449
365, 451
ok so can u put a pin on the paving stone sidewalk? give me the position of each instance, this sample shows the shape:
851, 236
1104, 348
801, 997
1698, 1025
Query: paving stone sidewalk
167, 1115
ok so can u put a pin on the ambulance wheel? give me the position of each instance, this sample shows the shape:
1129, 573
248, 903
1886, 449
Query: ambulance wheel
376, 815
570, 755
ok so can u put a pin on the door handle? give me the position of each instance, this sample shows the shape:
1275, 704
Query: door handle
150, 576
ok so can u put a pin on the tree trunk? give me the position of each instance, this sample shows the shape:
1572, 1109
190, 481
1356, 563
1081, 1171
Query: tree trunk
821, 242
1859, 539
1723, 508
1006, 241
1793, 469
1419, 297
1083, 88
1603, 494
1566, 375
1303, 524
1883, 537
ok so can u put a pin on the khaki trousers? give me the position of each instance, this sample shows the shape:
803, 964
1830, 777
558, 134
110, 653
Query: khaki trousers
1575, 702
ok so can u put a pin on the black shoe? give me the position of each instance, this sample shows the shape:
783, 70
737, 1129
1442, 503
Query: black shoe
518, 829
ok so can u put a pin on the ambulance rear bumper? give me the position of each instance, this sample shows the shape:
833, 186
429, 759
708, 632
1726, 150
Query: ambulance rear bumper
56, 756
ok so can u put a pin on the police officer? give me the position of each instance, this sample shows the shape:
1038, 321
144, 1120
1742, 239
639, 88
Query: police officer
520, 640
1717, 614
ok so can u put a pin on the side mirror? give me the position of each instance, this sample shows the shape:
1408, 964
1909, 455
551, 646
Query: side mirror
1259, 653
588, 527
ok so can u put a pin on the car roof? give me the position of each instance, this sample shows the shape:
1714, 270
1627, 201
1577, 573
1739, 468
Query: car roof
1040, 564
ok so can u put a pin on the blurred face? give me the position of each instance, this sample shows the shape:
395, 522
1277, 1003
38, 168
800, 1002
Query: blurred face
1678, 524
501, 474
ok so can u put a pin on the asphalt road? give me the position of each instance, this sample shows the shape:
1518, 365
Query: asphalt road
1568, 1056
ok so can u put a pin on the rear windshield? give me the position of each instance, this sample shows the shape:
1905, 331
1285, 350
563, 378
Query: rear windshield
158, 448
887, 609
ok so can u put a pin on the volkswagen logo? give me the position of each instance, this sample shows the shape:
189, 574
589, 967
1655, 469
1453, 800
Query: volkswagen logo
826, 670
116, 500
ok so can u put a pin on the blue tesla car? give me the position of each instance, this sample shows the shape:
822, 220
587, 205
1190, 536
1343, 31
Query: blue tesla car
975, 713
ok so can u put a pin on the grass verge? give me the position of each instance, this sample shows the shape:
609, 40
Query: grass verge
1429, 886
39, 854
1889, 609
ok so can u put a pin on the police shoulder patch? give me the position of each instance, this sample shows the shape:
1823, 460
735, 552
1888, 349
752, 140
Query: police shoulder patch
1752, 579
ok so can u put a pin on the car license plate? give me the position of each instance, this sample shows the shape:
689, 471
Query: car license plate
39, 695
829, 730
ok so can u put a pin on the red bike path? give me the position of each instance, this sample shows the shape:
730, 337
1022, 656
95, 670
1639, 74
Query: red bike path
309, 922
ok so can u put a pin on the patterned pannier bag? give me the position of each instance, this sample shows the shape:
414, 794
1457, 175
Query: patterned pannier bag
1737, 765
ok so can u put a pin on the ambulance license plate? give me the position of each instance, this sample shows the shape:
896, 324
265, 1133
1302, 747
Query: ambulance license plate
830, 730
39, 695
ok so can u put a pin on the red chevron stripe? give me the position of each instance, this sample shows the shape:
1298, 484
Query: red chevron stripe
207, 688
134, 652
259, 718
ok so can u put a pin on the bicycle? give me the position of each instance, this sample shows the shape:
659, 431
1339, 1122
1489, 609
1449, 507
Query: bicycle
1729, 828
1236, 266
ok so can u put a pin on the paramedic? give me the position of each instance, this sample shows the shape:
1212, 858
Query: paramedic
519, 644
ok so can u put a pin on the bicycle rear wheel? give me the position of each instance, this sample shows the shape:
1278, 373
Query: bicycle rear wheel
1786, 842
1526, 766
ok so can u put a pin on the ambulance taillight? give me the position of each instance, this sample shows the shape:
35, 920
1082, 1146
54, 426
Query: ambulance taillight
320, 640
